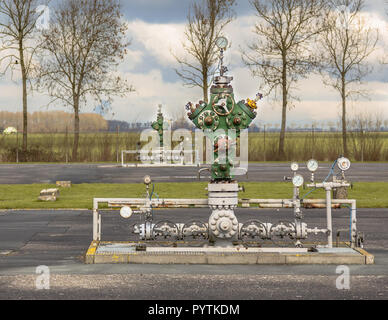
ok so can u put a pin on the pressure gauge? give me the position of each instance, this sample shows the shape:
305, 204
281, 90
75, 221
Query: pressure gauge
147, 180
344, 164
222, 43
126, 212
312, 165
294, 166
298, 181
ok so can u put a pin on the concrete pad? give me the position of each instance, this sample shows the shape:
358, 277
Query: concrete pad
326, 258
271, 258
125, 252
369, 258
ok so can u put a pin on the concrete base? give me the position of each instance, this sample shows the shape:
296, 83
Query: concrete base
165, 253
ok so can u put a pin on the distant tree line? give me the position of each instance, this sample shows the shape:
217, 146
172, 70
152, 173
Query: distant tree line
123, 126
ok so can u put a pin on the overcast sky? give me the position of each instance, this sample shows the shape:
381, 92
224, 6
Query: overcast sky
156, 29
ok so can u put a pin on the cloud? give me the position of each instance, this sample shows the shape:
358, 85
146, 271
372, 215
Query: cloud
158, 40
132, 59
149, 67
11, 98
322, 104
152, 90
9, 94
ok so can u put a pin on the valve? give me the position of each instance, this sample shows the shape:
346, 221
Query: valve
222, 113
253, 103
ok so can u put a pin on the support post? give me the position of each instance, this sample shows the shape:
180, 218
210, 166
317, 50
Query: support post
99, 227
95, 225
329, 218
353, 225
96, 221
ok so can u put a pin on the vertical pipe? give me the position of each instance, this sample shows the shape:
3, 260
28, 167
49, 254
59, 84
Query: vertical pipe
354, 225
95, 224
295, 196
99, 228
329, 218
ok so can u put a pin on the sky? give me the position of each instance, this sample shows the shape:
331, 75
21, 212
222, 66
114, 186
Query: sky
156, 27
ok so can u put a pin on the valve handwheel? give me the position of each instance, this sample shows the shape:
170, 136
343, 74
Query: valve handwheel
227, 112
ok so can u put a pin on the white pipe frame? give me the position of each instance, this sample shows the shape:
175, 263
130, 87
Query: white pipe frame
269, 203
162, 158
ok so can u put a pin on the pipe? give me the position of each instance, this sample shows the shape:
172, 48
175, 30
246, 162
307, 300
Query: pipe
329, 218
354, 225
277, 203
95, 225
353, 204
200, 171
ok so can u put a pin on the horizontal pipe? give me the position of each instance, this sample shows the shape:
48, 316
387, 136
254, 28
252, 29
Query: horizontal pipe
286, 203
267, 203
334, 201
266, 200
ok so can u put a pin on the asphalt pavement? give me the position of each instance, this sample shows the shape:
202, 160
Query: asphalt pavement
113, 173
59, 239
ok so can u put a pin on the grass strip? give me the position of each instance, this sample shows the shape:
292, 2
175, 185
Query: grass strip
367, 194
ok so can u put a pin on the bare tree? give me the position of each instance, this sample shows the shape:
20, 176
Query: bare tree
17, 32
366, 137
180, 120
347, 43
206, 23
282, 53
85, 44
384, 58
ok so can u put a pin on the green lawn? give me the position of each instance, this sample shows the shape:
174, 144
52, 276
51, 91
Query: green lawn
367, 194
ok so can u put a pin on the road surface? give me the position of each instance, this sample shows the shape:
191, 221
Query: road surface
105, 173
59, 239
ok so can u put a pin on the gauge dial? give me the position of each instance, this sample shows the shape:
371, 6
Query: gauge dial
147, 180
222, 43
294, 166
126, 212
312, 165
344, 164
298, 181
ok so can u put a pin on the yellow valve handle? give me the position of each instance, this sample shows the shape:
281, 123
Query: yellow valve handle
252, 104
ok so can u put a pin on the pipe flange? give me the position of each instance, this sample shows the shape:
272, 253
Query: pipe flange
208, 120
223, 224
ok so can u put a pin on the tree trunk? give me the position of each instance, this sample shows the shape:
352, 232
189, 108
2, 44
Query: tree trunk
76, 129
205, 93
344, 130
205, 85
25, 114
284, 111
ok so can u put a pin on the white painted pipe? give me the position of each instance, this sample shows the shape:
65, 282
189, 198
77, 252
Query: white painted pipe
329, 219
269, 203
95, 224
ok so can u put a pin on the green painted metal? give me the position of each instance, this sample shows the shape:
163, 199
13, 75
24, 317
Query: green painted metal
159, 125
222, 120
